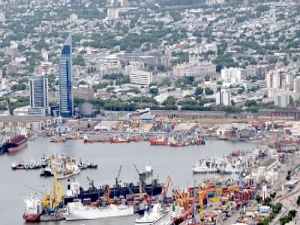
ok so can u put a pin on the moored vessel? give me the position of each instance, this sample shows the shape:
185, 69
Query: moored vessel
15, 144
157, 216
78, 211
33, 208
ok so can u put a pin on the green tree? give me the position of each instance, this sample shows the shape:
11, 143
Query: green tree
198, 91
169, 101
208, 91
258, 198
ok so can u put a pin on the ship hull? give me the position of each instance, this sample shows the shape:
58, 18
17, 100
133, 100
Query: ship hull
32, 217
17, 148
15, 144
90, 213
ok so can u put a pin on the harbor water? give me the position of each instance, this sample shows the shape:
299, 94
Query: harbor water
175, 162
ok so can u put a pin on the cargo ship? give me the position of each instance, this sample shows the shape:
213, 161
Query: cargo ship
129, 190
33, 209
15, 144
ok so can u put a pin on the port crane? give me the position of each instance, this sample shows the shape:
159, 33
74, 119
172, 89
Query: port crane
54, 201
141, 182
141, 178
118, 177
166, 188
91, 184
202, 211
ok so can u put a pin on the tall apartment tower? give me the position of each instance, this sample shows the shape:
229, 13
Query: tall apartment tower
66, 107
39, 91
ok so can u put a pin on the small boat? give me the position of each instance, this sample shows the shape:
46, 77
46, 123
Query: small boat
119, 140
70, 169
33, 209
92, 165
58, 139
158, 141
13, 165
200, 142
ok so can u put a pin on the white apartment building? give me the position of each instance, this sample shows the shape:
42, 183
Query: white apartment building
231, 76
223, 97
133, 66
140, 77
296, 88
112, 14
73, 17
273, 80
198, 70
248, 85
2, 17
282, 98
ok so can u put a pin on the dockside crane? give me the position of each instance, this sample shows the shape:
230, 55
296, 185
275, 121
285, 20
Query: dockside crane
57, 190
202, 211
166, 188
118, 177
141, 182
91, 184
141, 178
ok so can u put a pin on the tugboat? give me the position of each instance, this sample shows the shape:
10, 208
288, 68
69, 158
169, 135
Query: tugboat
33, 209
158, 141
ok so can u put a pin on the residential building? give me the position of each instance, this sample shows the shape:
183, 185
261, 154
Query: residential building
66, 107
282, 98
194, 68
274, 82
231, 76
223, 97
140, 77
112, 14
296, 88
248, 85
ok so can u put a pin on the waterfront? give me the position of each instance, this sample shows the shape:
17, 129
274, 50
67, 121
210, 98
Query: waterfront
176, 162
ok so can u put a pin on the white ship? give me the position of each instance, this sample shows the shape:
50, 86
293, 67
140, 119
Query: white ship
157, 216
70, 169
78, 211
201, 167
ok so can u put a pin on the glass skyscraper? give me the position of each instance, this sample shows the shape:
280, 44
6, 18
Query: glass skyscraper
66, 107
39, 91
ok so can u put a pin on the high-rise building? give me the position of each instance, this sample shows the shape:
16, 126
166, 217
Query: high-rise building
66, 107
282, 98
39, 91
223, 97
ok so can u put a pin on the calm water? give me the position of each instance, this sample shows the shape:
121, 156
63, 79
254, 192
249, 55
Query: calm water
176, 162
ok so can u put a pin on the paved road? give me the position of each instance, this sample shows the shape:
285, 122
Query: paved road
288, 199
